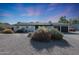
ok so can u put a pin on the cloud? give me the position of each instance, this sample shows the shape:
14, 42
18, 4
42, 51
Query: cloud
52, 6
6, 14
32, 11
56, 17
50, 9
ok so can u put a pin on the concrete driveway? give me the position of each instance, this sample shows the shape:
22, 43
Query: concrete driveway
20, 44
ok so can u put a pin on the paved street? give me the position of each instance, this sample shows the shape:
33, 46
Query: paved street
14, 44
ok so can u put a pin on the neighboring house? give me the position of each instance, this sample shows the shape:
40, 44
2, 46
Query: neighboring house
76, 26
4, 25
31, 27
7, 25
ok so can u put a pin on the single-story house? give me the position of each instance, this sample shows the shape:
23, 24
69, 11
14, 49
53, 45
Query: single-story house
31, 27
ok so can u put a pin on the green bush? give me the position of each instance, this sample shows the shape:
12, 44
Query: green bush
7, 31
55, 34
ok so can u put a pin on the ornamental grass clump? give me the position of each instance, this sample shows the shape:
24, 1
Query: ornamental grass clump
55, 34
45, 34
7, 31
41, 34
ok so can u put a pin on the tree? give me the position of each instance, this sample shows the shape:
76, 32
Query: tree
76, 21
70, 21
63, 20
1, 26
50, 22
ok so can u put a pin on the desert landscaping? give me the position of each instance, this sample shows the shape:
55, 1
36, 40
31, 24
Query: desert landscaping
39, 29
20, 44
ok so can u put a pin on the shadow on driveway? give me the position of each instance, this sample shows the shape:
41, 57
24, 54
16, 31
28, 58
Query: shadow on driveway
47, 45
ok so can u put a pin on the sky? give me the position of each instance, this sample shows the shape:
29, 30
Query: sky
37, 12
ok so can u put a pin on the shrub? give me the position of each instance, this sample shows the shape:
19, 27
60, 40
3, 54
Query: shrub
30, 34
44, 34
55, 34
1, 28
7, 31
41, 34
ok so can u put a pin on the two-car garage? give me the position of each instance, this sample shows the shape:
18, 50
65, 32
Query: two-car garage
61, 27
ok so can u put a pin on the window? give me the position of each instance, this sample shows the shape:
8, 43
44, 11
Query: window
26, 26
17, 26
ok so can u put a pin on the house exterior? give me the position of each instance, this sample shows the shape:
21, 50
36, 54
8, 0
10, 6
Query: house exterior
61, 27
31, 27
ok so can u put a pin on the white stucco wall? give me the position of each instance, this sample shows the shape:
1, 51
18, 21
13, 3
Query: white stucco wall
31, 28
50, 27
28, 28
